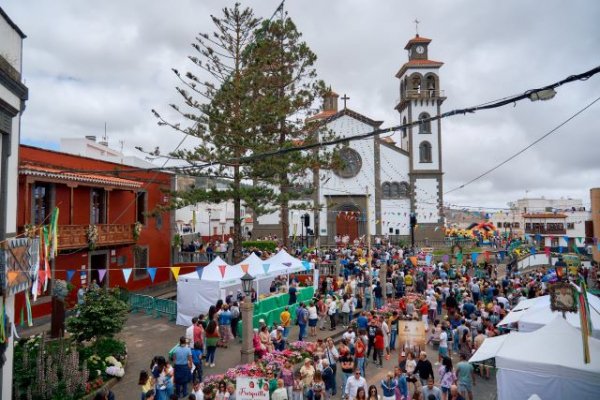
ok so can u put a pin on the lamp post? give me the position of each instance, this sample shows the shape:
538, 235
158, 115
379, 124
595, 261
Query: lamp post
247, 309
302, 230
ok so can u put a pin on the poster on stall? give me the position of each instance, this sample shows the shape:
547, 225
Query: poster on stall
251, 388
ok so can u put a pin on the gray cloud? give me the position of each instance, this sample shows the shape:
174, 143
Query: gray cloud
87, 63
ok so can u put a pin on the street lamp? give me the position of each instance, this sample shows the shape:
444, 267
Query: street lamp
247, 309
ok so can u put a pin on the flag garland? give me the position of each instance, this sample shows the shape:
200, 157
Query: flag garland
584, 317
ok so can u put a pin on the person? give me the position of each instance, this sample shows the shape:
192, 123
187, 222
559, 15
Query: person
197, 390
212, 338
222, 391
394, 320
361, 394
81, 294
443, 344
280, 393
208, 393
197, 360
182, 358
225, 319
235, 317
146, 382
313, 318
424, 368
328, 377
402, 389
430, 391
379, 344
447, 376
297, 389
189, 331
265, 339
302, 319
292, 291
454, 393
378, 293
354, 383
346, 309
372, 393
332, 355
389, 385
360, 349
307, 372
287, 374
163, 375
466, 377
278, 340
286, 319
318, 386
231, 391
465, 344
332, 312
346, 364
150, 395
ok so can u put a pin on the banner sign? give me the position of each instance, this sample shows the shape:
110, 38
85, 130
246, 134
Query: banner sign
251, 388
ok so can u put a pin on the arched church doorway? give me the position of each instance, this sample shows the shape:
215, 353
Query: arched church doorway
347, 221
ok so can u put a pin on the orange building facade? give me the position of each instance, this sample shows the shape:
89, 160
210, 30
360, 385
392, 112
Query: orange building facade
107, 196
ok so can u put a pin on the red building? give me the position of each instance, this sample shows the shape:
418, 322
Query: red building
112, 197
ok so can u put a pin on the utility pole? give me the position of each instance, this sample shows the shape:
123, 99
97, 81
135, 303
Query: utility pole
369, 256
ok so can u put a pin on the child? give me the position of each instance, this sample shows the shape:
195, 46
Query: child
146, 382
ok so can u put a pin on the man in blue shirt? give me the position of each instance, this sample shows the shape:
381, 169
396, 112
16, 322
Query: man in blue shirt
362, 321
182, 358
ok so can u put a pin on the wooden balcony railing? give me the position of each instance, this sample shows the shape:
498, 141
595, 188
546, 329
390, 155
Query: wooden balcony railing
75, 236
545, 231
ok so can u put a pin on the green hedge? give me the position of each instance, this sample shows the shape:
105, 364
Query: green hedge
267, 245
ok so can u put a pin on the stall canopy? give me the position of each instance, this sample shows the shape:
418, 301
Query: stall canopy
197, 291
532, 314
547, 362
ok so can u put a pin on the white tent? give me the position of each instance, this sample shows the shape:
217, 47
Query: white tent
197, 292
547, 362
532, 314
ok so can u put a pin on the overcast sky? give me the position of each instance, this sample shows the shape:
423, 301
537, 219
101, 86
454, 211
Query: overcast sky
91, 62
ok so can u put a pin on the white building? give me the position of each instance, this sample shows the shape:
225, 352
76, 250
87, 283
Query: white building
553, 219
402, 173
13, 94
88, 147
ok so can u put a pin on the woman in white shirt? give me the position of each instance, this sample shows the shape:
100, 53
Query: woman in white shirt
313, 318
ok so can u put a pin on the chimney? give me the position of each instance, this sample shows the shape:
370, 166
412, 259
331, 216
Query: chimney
91, 137
330, 101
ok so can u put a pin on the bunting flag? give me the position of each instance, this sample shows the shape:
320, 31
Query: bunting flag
580, 239
428, 258
175, 272
566, 239
126, 274
474, 256
152, 273
287, 264
413, 260
29, 313
533, 251
547, 250
538, 237
222, 270
445, 258
101, 273
575, 248
70, 273
53, 233
22, 316
584, 314
560, 249
244, 268
199, 271
306, 265
266, 267
459, 258
487, 255
12, 276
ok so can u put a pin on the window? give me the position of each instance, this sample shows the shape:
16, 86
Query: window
141, 206
387, 190
41, 203
5, 122
140, 257
98, 206
395, 190
391, 230
570, 225
515, 225
527, 226
424, 126
425, 152
404, 189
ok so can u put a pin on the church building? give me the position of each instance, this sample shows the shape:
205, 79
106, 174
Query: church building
385, 178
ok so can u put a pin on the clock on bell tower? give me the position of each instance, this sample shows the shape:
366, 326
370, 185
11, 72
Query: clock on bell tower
417, 48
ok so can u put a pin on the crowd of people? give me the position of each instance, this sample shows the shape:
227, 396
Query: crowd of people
458, 305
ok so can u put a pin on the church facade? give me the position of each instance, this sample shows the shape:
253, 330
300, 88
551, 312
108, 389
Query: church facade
385, 178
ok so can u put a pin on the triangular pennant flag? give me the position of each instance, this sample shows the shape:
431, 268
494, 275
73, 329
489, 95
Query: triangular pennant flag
459, 258
199, 271
474, 256
560, 249
502, 254
12, 276
566, 238
580, 239
413, 260
245, 268
487, 255
533, 251
222, 269
428, 258
175, 272
152, 273
126, 274
287, 264
70, 274
306, 265
547, 250
445, 258
266, 267
538, 237
101, 273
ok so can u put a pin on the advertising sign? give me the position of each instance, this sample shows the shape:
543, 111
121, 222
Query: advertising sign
251, 388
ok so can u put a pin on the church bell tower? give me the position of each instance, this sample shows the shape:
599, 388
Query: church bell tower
420, 99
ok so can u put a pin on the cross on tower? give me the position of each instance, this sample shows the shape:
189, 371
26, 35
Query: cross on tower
416, 21
344, 98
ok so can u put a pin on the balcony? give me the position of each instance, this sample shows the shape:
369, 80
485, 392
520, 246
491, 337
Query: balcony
545, 231
75, 236
421, 94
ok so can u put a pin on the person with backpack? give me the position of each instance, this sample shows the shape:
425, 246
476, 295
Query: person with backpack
302, 320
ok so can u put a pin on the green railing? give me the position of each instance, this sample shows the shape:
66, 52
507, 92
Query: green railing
153, 306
